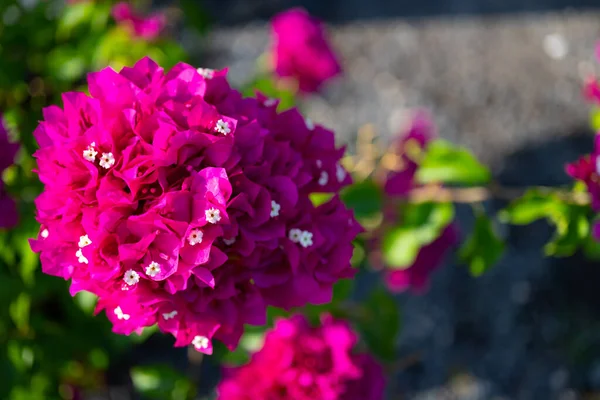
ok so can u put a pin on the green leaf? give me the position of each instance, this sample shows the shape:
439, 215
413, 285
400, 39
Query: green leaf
320, 198
422, 224
378, 321
483, 248
445, 162
570, 220
365, 198
19, 311
74, 15
161, 382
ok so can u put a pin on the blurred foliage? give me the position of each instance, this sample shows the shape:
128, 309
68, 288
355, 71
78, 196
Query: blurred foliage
570, 219
483, 248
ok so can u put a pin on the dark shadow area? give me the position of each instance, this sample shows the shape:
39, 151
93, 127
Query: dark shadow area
338, 11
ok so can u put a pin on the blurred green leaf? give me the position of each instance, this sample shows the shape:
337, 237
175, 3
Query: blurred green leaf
195, 15
19, 311
422, 224
570, 220
445, 162
483, 248
162, 383
595, 119
378, 321
320, 198
74, 15
364, 197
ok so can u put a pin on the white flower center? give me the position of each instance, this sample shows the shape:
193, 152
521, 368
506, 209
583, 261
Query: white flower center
324, 178
319, 163
294, 235
598, 165
213, 215
84, 241
107, 160
90, 153
229, 242
120, 315
44, 234
275, 207
223, 127
207, 73
306, 239
340, 173
200, 342
131, 277
195, 237
170, 315
153, 269
270, 102
80, 257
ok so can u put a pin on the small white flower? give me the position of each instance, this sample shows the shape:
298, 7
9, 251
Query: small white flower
119, 313
80, 257
294, 235
153, 269
306, 239
107, 160
270, 102
90, 153
309, 124
131, 277
200, 342
207, 73
229, 242
223, 127
340, 173
84, 241
324, 178
171, 315
213, 215
195, 237
44, 234
319, 163
275, 207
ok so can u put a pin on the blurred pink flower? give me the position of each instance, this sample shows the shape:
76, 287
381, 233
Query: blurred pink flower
301, 50
300, 362
8, 209
145, 27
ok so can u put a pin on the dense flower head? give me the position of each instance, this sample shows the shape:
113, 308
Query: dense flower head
144, 27
8, 151
176, 201
301, 362
302, 51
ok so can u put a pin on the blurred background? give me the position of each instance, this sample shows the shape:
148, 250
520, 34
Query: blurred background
501, 77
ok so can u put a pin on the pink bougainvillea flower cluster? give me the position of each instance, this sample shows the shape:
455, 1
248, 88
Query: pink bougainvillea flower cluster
301, 50
587, 170
400, 184
179, 202
8, 209
144, 27
300, 362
